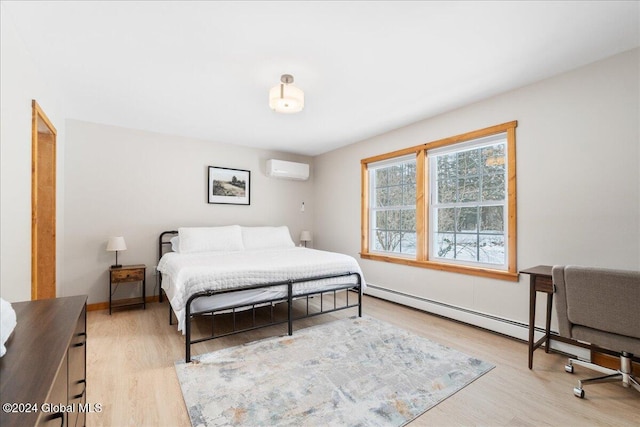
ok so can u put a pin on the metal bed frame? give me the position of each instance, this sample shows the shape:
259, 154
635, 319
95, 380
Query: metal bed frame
164, 241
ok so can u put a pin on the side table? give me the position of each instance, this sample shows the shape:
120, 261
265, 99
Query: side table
127, 274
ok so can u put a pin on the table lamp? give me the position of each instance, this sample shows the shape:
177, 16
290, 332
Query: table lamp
116, 244
305, 236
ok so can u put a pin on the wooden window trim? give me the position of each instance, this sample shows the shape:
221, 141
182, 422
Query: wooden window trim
422, 206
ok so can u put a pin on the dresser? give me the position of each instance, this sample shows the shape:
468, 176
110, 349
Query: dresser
43, 372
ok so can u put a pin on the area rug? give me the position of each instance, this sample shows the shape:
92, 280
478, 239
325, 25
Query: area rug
352, 372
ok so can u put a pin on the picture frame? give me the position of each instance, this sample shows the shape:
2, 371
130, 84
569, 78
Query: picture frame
229, 186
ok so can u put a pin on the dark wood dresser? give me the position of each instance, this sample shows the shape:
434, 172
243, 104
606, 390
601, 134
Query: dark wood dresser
43, 372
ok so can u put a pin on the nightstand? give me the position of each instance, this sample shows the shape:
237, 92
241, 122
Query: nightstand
127, 274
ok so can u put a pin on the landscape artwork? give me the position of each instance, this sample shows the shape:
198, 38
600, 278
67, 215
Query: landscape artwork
228, 186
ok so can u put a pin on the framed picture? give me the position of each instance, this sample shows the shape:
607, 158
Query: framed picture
229, 186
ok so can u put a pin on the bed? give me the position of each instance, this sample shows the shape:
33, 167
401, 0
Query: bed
214, 271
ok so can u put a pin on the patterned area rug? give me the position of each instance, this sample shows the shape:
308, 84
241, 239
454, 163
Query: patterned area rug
356, 371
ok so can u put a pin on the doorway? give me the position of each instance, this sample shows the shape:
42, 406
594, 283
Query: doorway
43, 205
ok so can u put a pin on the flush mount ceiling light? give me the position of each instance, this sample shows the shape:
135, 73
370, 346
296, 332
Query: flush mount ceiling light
285, 97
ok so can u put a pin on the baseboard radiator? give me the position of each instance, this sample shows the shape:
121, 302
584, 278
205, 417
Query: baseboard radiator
486, 321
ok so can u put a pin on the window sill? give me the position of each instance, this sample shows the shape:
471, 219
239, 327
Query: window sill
473, 271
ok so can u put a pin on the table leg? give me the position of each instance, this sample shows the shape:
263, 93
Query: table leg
547, 329
532, 316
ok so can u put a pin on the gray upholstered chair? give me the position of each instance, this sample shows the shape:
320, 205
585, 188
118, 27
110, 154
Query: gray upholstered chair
601, 307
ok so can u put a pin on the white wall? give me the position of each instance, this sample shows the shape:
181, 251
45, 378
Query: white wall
578, 185
22, 81
136, 184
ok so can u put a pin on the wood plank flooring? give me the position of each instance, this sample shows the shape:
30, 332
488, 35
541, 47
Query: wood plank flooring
131, 355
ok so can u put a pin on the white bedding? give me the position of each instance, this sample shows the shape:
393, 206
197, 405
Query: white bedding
185, 274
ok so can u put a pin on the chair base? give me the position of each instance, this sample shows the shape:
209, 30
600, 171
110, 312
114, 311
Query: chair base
612, 375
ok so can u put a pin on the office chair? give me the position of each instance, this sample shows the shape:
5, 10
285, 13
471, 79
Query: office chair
602, 307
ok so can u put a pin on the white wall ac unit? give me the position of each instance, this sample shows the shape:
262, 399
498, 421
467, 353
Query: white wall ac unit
287, 170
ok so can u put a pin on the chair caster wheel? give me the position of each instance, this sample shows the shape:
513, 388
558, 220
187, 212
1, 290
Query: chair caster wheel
568, 368
578, 392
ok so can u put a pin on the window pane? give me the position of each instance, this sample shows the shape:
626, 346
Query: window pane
493, 187
469, 163
408, 243
445, 245
380, 241
493, 159
382, 197
381, 177
393, 241
410, 173
380, 219
394, 175
447, 191
492, 249
467, 219
466, 247
492, 219
408, 220
393, 220
446, 219
447, 167
469, 189
395, 196
409, 194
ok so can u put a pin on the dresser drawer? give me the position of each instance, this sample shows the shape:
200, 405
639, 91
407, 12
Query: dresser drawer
136, 275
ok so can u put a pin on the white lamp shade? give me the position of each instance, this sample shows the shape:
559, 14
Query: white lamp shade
116, 244
305, 236
286, 98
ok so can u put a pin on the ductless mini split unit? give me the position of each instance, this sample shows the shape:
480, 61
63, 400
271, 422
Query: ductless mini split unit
287, 170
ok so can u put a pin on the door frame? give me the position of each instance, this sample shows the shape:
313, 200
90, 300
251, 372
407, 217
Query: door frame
40, 124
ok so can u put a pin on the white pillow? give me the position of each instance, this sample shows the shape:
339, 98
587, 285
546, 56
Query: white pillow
210, 239
175, 244
266, 237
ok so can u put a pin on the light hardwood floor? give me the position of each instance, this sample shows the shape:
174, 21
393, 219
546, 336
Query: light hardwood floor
131, 355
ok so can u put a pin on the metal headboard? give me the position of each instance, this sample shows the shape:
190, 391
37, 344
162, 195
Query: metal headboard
164, 242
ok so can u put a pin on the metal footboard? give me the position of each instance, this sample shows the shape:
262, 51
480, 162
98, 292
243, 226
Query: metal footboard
288, 299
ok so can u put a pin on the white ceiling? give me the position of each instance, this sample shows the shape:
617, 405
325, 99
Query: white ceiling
204, 69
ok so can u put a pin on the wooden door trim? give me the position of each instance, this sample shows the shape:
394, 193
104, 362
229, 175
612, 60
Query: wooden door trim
40, 123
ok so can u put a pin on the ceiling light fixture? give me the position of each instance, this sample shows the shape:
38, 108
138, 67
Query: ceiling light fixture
285, 97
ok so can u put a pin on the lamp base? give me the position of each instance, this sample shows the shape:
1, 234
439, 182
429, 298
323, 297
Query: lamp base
116, 266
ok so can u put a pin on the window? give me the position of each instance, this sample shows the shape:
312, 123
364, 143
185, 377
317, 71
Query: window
448, 204
393, 206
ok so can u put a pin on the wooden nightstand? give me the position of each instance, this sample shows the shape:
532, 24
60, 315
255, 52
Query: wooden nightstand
127, 274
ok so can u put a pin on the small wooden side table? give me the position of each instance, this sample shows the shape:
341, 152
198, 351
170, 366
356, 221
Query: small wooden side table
128, 274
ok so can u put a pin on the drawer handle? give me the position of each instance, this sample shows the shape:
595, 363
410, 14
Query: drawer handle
78, 396
80, 344
57, 415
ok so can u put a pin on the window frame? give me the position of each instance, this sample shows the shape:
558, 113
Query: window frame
421, 258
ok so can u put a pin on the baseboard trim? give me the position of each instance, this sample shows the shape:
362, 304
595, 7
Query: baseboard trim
105, 305
486, 321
